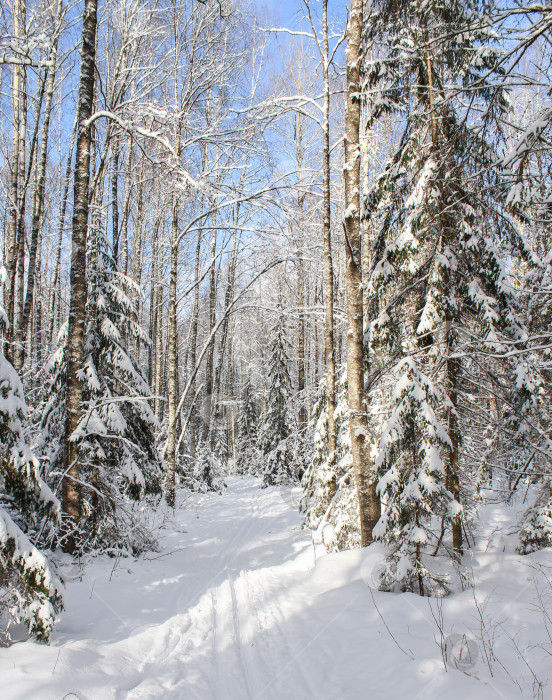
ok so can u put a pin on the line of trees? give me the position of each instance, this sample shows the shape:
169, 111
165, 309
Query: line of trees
316, 254
447, 384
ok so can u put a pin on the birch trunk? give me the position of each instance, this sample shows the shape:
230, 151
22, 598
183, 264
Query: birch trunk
209, 364
9, 290
329, 342
77, 303
172, 379
193, 340
38, 206
369, 504
229, 293
19, 280
56, 287
115, 201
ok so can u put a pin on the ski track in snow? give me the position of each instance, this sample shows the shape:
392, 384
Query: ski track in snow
218, 615
233, 607
240, 609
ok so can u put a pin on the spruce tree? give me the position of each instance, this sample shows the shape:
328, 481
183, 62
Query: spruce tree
526, 183
330, 502
276, 432
247, 433
118, 455
206, 473
30, 589
413, 479
440, 255
529, 416
319, 482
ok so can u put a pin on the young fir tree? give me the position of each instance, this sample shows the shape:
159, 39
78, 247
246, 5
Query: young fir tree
330, 501
319, 479
248, 428
536, 527
206, 475
439, 256
275, 439
528, 187
413, 482
530, 417
30, 590
118, 455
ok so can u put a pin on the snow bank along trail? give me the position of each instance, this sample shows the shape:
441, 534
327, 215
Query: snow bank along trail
235, 606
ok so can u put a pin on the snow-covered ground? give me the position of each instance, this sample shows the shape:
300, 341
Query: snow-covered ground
240, 605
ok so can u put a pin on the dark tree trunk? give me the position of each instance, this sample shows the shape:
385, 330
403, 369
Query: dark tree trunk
172, 366
329, 342
38, 206
77, 303
193, 342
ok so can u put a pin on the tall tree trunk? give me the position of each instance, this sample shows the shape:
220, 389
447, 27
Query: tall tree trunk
159, 364
36, 337
137, 258
9, 290
153, 309
123, 224
172, 333
157, 300
77, 303
38, 206
369, 503
115, 201
302, 416
61, 224
209, 364
329, 342
19, 282
172, 365
227, 299
124, 254
452, 463
300, 154
193, 341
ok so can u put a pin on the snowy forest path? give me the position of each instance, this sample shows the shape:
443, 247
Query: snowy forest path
204, 618
235, 606
216, 644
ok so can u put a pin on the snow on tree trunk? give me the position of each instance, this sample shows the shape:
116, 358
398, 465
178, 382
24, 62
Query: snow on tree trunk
77, 305
369, 504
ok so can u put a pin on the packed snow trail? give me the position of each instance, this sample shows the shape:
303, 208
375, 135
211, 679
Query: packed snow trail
239, 605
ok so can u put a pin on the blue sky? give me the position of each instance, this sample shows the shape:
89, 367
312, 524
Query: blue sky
287, 11
281, 9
